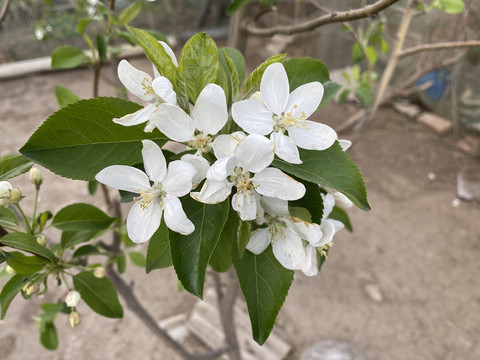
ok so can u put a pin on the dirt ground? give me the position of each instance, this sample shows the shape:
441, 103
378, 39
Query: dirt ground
404, 285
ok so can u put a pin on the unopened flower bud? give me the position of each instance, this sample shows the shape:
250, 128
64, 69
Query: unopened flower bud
74, 319
5, 188
32, 289
99, 272
9, 270
15, 196
42, 240
342, 201
72, 299
257, 96
36, 177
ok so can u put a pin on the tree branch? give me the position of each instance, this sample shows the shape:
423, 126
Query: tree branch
363, 12
4, 10
439, 46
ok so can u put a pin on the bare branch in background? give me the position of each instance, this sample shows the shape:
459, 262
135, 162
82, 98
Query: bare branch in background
334, 17
439, 46
4, 10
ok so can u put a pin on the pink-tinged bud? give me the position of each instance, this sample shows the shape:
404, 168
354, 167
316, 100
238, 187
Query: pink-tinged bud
42, 240
5, 188
15, 196
74, 319
32, 289
36, 177
72, 299
99, 272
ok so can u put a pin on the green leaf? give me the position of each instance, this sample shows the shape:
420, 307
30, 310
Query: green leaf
72, 238
43, 218
14, 165
99, 294
101, 47
82, 25
233, 76
303, 70
343, 96
137, 258
67, 57
372, 54
342, 216
158, 252
221, 259
25, 265
86, 250
9, 291
92, 187
238, 60
4, 256
191, 253
357, 54
8, 217
81, 139
156, 53
253, 80
130, 12
264, 283
312, 201
365, 94
64, 96
332, 168
235, 5
28, 243
449, 6
121, 261
48, 335
198, 64
80, 217
223, 81
300, 213
243, 235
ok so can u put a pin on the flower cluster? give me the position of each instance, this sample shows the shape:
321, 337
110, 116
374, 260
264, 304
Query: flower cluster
237, 165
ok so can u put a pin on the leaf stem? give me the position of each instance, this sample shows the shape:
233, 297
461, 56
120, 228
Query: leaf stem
25, 220
34, 217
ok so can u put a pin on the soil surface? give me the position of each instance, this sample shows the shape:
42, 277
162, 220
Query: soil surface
404, 285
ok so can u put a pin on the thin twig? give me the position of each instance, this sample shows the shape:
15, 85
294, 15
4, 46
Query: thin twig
334, 17
439, 46
4, 10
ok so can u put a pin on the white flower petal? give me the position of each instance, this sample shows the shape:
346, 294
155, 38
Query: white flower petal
275, 206
328, 231
245, 204
342, 201
137, 117
136, 81
304, 100
213, 192
337, 224
124, 177
288, 249
175, 217
312, 136
154, 161
142, 223
210, 111
274, 183
179, 178
224, 145
200, 164
170, 52
221, 168
259, 241
328, 204
285, 148
274, 88
173, 122
310, 265
253, 117
345, 144
308, 231
164, 88
255, 153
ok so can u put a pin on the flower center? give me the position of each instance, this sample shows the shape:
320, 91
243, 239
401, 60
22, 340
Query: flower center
241, 180
201, 143
147, 196
147, 87
285, 120
276, 227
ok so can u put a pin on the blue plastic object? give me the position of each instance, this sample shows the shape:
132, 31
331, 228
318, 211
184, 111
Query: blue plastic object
440, 80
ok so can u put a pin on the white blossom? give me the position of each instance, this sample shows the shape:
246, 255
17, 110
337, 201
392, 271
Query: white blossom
281, 112
248, 171
5, 189
169, 184
73, 298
